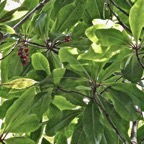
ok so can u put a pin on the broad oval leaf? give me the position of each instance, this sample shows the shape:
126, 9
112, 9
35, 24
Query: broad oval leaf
58, 75
40, 62
108, 37
136, 19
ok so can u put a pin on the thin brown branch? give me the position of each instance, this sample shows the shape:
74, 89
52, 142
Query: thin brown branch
137, 55
106, 114
120, 22
36, 44
40, 5
119, 8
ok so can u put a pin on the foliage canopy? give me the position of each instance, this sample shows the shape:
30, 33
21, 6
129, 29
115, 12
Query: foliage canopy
72, 70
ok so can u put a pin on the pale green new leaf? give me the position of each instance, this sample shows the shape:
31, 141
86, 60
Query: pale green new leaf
19, 83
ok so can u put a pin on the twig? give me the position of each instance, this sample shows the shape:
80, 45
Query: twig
40, 5
36, 44
124, 26
137, 55
11, 50
119, 7
71, 91
109, 119
134, 132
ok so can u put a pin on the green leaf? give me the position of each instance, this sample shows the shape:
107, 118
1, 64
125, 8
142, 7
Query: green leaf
109, 137
19, 140
36, 75
79, 136
115, 66
123, 4
68, 16
6, 29
30, 124
92, 123
20, 107
11, 66
40, 62
58, 75
131, 69
95, 9
120, 123
29, 4
68, 55
136, 19
4, 107
41, 103
58, 122
7, 44
60, 139
59, 5
2, 6
79, 30
131, 90
123, 104
108, 37
62, 103
36, 135
140, 135
53, 111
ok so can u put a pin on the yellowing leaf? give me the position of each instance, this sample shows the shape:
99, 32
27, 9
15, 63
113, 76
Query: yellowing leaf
20, 83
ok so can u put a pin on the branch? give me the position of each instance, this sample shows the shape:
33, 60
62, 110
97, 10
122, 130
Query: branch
71, 91
137, 55
36, 44
40, 5
134, 132
124, 26
119, 7
106, 114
